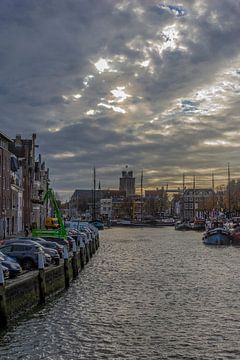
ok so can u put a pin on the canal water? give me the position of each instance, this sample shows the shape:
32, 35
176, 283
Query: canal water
148, 294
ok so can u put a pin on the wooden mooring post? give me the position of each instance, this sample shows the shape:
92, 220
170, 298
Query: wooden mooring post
41, 279
3, 307
74, 260
66, 267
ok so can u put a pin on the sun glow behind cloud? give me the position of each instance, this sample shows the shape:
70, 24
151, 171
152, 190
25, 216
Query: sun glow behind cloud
112, 107
63, 155
103, 65
120, 94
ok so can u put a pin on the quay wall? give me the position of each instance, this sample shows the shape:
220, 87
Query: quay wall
35, 288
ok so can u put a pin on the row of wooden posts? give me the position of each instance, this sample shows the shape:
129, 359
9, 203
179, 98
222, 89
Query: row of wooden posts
84, 256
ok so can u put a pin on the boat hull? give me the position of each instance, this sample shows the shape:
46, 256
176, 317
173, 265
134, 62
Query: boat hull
183, 227
217, 236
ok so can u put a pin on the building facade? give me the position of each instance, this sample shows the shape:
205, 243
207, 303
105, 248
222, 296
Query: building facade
23, 181
127, 183
5, 186
197, 203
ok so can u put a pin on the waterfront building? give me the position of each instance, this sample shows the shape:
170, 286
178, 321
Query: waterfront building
197, 203
35, 180
16, 195
127, 183
106, 208
24, 150
40, 187
156, 202
5, 187
81, 202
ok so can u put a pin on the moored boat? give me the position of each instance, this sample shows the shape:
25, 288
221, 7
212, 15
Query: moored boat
199, 225
217, 236
235, 236
182, 226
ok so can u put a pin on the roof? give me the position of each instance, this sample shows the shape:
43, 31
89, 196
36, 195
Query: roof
2, 135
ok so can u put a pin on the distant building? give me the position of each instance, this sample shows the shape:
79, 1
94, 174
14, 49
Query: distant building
127, 183
156, 202
106, 208
82, 200
197, 202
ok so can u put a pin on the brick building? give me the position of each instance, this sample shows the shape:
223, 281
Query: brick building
5, 187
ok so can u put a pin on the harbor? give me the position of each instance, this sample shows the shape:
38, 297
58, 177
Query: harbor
152, 293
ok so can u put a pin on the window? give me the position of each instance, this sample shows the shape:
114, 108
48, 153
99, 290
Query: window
6, 249
20, 247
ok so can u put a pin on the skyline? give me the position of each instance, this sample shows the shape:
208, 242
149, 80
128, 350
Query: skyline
149, 84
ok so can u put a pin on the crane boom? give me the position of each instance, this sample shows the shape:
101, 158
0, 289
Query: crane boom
61, 232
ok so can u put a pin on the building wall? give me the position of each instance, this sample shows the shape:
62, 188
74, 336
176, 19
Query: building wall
24, 149
5, 187
194, 200
127, 183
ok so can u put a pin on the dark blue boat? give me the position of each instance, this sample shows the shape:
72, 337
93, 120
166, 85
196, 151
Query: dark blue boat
217, 236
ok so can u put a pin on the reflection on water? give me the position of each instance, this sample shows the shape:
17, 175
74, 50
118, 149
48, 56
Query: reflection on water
147, 294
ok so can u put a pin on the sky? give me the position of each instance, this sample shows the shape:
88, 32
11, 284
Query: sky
152, 85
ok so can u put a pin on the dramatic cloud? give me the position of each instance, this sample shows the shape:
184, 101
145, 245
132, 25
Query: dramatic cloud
152, 84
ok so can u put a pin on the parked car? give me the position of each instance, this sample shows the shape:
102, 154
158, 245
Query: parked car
26, 253
79, 237
5, 272
12, 265
59, 241
55, 257
98, 224
49, 250
52, 245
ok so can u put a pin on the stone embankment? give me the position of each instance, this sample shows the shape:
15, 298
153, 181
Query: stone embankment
33, 288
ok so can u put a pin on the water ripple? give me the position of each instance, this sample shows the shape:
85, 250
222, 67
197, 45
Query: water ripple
147, 294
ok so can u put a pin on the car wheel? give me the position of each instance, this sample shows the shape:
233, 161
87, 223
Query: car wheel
28, 264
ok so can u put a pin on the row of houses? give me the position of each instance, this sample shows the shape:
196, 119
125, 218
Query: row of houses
24, 179
113, 204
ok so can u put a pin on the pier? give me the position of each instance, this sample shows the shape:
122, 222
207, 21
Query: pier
34, 288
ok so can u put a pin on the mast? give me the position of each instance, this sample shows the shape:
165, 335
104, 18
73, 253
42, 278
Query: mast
213, 188
141, 195
194, 185
229, 191
94, 195
182, 200
183, 182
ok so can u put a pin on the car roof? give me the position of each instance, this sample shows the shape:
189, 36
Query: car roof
17, 243
20, 241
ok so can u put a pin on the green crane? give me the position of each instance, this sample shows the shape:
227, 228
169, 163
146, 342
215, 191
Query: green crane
61, 231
